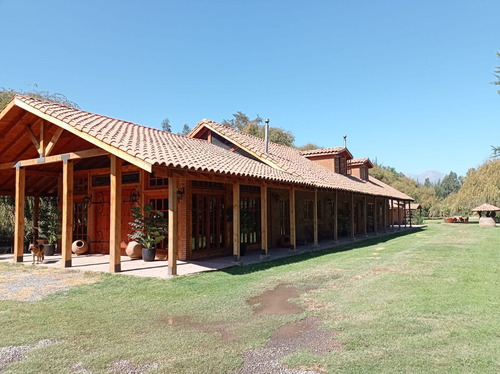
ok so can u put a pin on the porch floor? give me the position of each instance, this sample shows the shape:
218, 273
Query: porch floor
158, 268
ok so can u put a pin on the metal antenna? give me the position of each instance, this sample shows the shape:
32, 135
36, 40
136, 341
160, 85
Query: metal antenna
266, 138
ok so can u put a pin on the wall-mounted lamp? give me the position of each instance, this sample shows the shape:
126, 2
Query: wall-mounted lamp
180, 192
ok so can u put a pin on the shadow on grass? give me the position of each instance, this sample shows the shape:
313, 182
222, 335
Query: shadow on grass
253, 268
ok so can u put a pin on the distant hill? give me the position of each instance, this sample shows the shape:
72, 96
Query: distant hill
433, 175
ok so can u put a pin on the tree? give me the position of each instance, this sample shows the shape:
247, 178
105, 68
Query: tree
496, 152
185, 129
451, 183
165, 125
255, 127
427, 182
309, 147
497, 75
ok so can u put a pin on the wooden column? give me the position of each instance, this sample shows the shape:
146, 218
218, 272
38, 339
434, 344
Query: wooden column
365, 218
293, 233
315, 217
392, 214
67, 213
36, 213
352, 215
59, 207
409, 212
19, 215
336, 218
172, 226
375, 216
399, 214
115, 215
384, 210
404, 211
236, 222
263, 220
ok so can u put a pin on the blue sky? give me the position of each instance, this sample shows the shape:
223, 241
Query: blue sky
406, 81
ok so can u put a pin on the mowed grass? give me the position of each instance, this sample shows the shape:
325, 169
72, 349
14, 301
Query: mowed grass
425, 302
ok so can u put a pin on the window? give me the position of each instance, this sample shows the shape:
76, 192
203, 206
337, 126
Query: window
208, 185
79, 220
161, 205
80, 186
157, 182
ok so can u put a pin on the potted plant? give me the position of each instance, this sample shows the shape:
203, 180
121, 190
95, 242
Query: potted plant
247, 226
49, 227
149, 229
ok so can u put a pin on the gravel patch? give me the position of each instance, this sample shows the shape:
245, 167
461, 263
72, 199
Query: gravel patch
12, 353
24, 284
302, 335
126, 367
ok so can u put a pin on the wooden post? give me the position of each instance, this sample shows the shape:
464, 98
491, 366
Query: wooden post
236, 222
399, 214
336, 218
293, 234
315, 217
115, 215
172, 226
263, 220
392, 214
375, 216
19, 215
67, 213
365, 218
352, 215
36, 213
384, 210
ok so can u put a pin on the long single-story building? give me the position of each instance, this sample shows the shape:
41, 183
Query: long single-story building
99, 167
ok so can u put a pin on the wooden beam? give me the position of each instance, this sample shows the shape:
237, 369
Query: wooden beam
67, 213
293, 231
236, 222
9, 141
91, 139
172, 227
19, 215
53, 141
336, 218
57, 158
375, 216
5, 133
33, 138
315, 217
115, 214
263, 220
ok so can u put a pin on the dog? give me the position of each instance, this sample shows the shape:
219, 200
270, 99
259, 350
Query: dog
38, 252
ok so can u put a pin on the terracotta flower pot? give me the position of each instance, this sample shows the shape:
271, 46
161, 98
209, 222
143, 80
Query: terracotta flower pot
134, 250
79, 247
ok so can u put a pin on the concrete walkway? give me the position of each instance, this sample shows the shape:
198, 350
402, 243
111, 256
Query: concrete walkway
158, 268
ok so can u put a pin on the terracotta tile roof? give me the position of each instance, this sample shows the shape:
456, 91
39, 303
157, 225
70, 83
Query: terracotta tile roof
360, 161
323, 151
158, 147
291, 160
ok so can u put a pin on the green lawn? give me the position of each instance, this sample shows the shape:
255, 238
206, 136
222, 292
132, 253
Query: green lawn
425, 302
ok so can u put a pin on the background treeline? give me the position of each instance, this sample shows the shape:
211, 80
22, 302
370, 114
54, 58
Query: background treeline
453, 195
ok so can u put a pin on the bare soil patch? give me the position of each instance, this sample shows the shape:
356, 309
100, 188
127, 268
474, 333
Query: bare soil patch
276, 301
